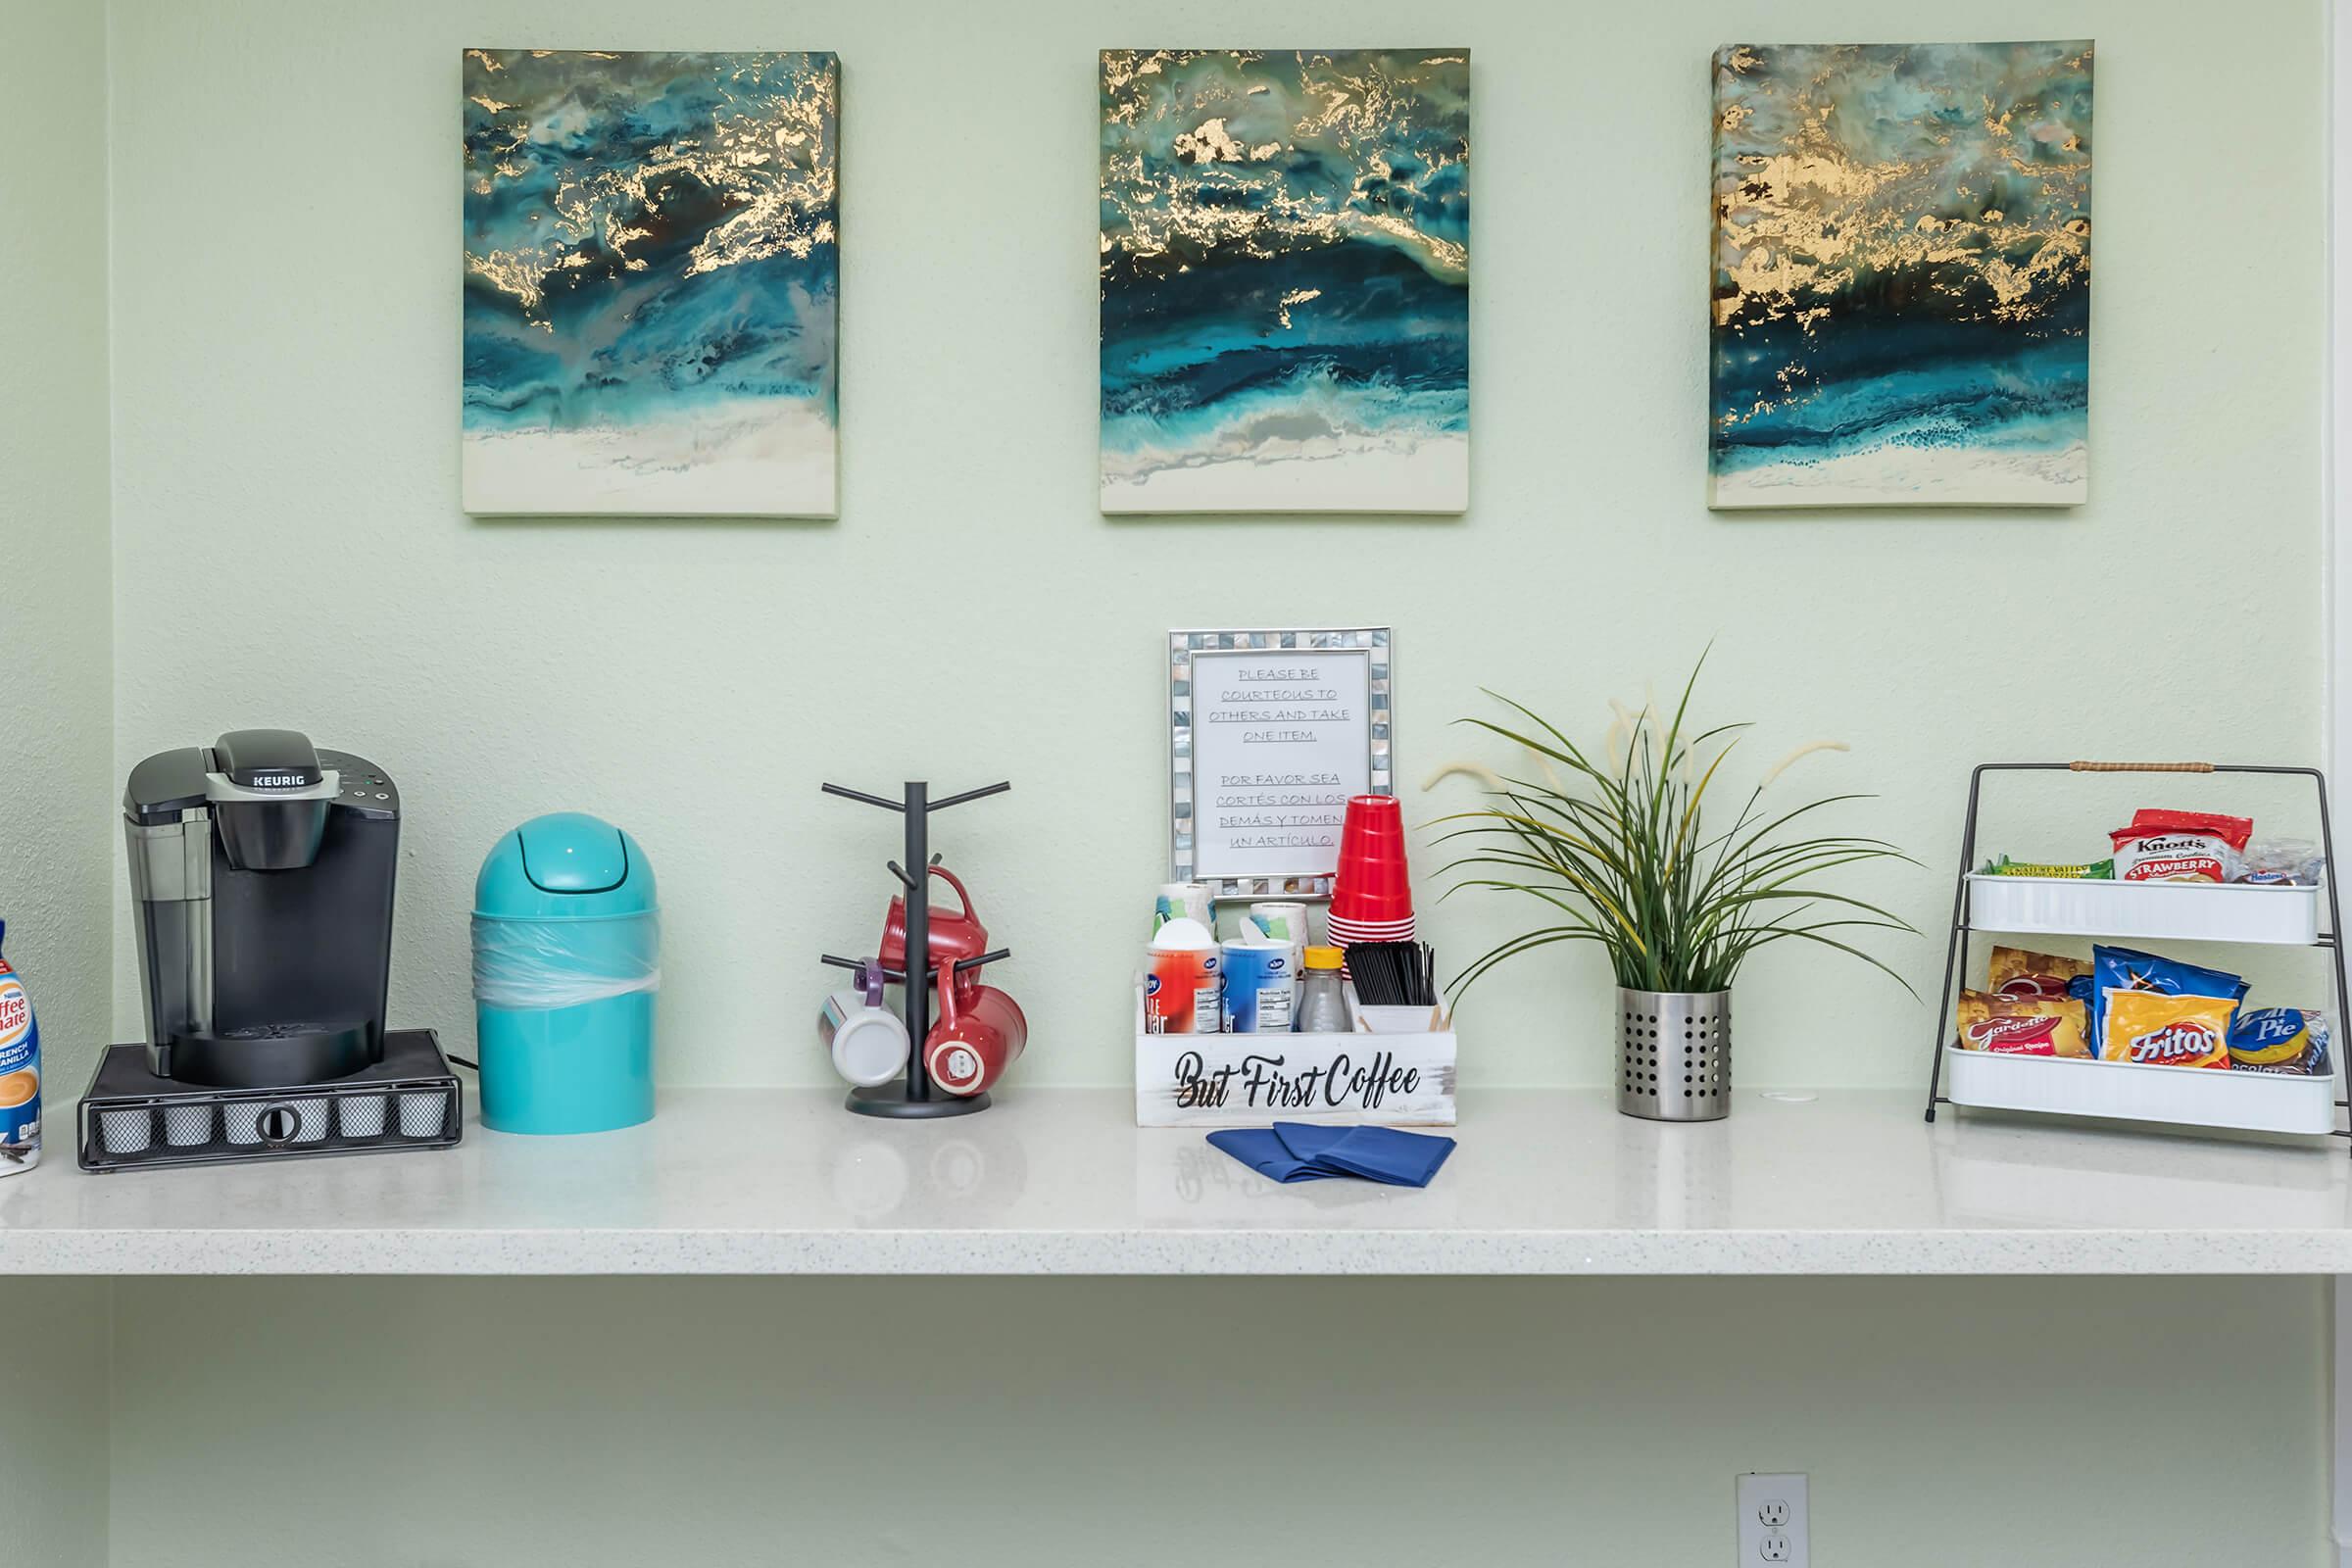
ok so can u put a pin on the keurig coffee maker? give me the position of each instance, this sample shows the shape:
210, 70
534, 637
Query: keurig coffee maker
261, 882
261, 886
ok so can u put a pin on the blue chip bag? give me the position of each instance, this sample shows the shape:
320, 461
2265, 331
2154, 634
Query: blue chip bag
2124, 969
20, 1074
2279, 1040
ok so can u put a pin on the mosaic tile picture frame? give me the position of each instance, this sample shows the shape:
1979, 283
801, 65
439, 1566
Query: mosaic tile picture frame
1185, 650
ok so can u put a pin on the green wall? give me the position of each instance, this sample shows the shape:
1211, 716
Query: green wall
58, 843
281, 278
60, 850
285, 294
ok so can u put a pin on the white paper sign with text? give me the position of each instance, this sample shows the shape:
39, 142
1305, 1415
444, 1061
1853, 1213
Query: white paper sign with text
1281, 739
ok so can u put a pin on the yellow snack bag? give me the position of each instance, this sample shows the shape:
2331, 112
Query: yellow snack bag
2157, 1030
2022, 1026
2015, 973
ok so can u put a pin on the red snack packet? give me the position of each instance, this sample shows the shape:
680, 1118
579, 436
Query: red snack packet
2180, 847
2231, 830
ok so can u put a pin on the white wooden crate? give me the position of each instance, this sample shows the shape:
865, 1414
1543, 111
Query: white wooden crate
1386, 1080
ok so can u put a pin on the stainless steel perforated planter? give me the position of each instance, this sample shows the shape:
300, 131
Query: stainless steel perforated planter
1673, 1054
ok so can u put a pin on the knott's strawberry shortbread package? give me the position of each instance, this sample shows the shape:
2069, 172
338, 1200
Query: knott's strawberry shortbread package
2180, 847
2022, 1026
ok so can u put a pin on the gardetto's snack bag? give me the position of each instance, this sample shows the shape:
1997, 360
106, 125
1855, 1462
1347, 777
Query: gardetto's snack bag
19, 1073
2021, 1026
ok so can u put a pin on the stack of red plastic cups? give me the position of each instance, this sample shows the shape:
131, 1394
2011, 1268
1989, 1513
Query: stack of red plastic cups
1372, 893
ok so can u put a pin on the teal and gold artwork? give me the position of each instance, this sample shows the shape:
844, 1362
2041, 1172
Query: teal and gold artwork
1901, 307
652, 283
1285, 273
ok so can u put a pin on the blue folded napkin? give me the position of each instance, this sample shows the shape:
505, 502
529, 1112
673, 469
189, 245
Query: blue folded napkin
1301, 1151
1376, 1154
1259, 1149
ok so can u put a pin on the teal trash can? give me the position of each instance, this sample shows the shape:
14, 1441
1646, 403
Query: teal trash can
567, 959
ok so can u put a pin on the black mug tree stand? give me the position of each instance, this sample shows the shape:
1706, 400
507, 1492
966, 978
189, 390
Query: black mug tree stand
912, 1095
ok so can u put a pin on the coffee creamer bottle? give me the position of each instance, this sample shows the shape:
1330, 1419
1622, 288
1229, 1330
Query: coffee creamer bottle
19, 1073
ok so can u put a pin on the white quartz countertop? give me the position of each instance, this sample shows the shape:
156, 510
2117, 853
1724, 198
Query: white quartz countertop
1062, 1182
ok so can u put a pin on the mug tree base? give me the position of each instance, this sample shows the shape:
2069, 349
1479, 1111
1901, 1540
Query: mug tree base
890, 1099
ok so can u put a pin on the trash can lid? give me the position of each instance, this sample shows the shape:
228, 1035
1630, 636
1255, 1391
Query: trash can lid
565, 864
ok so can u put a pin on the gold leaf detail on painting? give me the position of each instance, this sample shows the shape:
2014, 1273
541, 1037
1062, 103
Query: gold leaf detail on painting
1800, 218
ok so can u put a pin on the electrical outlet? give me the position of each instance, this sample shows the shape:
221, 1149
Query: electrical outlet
1774, 1520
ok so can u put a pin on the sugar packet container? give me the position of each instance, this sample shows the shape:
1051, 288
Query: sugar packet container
19, 1073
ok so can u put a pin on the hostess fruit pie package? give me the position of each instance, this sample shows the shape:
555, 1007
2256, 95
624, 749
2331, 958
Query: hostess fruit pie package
2292, 1041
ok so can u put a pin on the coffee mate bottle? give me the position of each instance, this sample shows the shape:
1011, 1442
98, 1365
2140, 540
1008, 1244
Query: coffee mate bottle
19, 1073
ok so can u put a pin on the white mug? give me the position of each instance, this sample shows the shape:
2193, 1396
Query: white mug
867, 1040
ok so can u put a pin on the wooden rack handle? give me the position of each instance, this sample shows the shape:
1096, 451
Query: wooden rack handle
2139, 768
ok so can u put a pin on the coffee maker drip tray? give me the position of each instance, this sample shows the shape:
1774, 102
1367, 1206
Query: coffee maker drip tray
269, 1056
131, 1118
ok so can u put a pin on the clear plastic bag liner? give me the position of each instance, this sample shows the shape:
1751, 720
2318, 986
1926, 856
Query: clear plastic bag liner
563, 964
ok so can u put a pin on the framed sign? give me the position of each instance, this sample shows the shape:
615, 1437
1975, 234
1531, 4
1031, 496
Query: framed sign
1269, 733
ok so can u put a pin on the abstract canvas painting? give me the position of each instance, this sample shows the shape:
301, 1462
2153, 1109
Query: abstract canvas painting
1903, 275
652, 283
1286, 280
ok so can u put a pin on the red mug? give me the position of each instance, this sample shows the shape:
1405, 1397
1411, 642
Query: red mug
954, 935
979, 1034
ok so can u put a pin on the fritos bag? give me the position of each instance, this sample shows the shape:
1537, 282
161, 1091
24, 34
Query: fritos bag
2156, 1030
2119, 969
2022, 1026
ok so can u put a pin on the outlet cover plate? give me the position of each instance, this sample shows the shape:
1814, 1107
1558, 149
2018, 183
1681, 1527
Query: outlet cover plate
1776, 1523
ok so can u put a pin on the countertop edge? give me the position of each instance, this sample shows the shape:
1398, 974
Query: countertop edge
531, 1253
